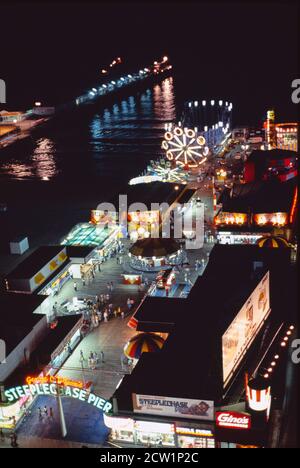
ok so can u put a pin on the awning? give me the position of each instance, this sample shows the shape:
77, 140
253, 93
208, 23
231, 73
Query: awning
39, 278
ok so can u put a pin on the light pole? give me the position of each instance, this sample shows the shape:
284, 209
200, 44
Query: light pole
61, 411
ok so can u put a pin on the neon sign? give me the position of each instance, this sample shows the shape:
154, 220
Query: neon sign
233, 420
56, 380
56, 389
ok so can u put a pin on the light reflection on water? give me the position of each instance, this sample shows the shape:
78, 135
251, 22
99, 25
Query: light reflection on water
124, 133
40, 165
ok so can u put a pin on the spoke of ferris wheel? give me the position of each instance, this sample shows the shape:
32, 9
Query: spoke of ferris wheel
178, 156
184, 139
178, 140
176, 151
196, 147
196, 153
191, 157
177, 145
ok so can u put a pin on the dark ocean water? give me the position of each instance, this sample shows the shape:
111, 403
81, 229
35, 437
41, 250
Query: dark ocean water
52, 179
107, 140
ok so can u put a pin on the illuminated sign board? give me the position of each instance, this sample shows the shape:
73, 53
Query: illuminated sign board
56, 389
245, 327
173, 407
189, 431
233, 420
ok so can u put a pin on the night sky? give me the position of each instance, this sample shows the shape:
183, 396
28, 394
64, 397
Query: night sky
245, 52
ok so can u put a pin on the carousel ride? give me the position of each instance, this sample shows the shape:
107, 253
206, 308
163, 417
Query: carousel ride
154, 254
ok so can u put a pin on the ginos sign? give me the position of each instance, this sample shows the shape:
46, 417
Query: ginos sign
233, 420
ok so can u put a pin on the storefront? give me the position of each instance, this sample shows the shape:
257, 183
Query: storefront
155, 434
10, 414
68, 345
144, 433
110, 245
189, 436
57, 283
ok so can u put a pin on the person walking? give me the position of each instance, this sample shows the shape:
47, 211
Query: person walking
45, 410
14, 442
40, 413
75, 286
51, 415
102, 356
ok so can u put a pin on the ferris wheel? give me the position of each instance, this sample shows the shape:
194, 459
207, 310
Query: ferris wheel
184, 147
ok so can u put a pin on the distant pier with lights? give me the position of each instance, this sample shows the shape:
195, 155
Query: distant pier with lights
15, 126
110, 86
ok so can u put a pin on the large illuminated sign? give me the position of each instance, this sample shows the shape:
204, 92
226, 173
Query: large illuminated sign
51, 388
173, 407
233, 420
243, 330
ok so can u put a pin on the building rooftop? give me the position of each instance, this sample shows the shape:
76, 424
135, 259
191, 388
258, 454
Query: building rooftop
35, 262
154, 192
190, 365
261, 156
259, 197
79, 251
42, 354
17, 317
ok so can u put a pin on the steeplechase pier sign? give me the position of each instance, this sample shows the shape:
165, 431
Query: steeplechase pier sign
57, 389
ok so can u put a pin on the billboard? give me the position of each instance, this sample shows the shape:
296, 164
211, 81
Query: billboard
239, 336
173, 407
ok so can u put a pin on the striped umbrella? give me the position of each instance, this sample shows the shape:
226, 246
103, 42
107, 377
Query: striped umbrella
143, 343
274, 242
